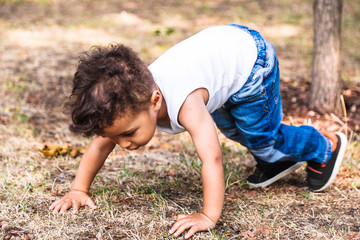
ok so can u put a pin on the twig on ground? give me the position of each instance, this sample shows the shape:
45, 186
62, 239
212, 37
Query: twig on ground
291, 120
344, 125
338, 190
343, 106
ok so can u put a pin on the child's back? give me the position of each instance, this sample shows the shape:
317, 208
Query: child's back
219, 59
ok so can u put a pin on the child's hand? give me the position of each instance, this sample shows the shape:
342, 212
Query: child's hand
196, 222
74, 199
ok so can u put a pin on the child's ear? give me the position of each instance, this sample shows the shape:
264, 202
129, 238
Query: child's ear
156, 99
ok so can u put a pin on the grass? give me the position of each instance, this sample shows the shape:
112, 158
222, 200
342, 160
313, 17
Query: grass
138, 194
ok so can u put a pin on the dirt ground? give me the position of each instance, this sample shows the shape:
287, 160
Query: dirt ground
139, 193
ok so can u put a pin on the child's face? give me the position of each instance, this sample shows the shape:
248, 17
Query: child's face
132, 132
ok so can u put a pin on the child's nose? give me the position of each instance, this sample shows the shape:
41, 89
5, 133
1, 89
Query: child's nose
124, 143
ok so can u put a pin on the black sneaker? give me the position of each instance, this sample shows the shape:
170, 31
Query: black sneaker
266, 174
320, 176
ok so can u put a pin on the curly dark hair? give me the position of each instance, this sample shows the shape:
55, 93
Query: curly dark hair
109, 82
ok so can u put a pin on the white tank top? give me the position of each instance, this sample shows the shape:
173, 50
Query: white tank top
219, 59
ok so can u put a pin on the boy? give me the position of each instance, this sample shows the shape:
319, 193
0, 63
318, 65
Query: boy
227, 74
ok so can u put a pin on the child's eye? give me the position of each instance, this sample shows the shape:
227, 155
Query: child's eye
129, 134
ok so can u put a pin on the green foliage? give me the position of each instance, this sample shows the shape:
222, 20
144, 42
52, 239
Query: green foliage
306, 195
165, 31
15, 2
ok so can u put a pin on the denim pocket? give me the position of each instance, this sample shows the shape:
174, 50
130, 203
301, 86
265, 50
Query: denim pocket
256, 105
254, 101
250, 98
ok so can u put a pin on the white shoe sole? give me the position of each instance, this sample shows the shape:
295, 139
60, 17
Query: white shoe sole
338, 161
275, 178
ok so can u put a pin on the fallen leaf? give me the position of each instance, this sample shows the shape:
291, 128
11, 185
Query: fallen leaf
177, 147
165, 146
53, 150
171, 172
59, 190
353, 235
265, 230
74, 152
64, 149
250, 194
248, 234
232, 196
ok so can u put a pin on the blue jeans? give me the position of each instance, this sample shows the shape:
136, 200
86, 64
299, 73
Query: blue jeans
252, 116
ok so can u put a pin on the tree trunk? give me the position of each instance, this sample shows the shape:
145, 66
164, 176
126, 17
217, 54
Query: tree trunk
326, 85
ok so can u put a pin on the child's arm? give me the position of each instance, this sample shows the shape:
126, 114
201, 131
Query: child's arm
93, 159
197, 120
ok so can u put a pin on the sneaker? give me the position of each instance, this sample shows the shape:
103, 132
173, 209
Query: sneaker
320, 176
266, 174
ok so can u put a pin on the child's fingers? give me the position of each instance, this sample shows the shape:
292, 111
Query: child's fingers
182, 228
191, 232
67, 204
90, 203
76, 205
194, 222
57, 207
180, 220
54, 204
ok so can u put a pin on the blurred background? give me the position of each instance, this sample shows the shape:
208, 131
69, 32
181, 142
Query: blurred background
40, 41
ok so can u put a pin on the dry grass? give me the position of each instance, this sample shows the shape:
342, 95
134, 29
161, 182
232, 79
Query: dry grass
139, 193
